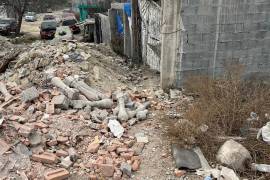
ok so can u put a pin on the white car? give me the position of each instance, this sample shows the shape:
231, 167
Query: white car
30, 16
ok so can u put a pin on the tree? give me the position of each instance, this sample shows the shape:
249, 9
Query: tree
18, 7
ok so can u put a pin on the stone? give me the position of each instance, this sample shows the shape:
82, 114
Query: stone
61, 102
66, 162
185, 158
132, 121
35, 138
234, 155
142, 115
138, 148
58, 174
116, 128
179, 173
29, 94
4, 147
73, 154
107, 169
31, 109
126, 169
45, 157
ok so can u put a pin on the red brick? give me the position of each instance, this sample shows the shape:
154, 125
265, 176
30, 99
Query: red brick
136, 165
61, 152
46, 157
112, 148
93, 177
93, 147
40, 125
127, 155
107, 170
179, 173
58, 174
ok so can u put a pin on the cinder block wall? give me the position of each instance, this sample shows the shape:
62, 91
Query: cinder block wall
224, 31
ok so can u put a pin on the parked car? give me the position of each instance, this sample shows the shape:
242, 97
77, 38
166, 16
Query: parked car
7, 26
72, 24
48, 29
48, 17
30, 17
49, 10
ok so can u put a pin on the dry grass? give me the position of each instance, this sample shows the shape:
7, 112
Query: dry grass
224, 105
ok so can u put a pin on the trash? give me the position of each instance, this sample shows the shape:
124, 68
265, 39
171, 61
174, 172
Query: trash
260, 167
228, 174
234, 155
116, 128
264, 132
185, 158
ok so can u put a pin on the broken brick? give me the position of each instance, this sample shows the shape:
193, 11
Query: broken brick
121, 150
93, 177
107, 170
179, 173
62, 139
136, 165
58, 174
4, 147
46, 157
61, 152
127, 155
25, 131
40, 125
93, 147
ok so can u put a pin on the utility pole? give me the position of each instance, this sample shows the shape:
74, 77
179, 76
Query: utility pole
171, 37
136, 33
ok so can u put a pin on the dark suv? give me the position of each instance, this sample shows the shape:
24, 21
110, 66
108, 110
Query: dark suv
47, 29
7, 26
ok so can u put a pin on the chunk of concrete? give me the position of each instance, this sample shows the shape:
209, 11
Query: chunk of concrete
116, 128
61, 102
234, 155
29, 94
126, 169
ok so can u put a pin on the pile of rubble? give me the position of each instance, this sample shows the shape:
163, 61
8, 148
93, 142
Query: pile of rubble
54, 125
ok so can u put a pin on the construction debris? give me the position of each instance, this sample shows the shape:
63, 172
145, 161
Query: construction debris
62, 121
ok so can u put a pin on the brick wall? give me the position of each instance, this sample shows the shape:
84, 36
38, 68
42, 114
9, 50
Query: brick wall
224, 31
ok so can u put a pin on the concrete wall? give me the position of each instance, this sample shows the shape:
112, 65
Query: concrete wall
219, 32
105, 28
